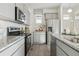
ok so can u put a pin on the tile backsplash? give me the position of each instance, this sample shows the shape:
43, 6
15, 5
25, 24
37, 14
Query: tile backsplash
3, 36
3, 31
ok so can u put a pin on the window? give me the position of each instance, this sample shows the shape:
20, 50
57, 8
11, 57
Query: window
38, 19
66, 17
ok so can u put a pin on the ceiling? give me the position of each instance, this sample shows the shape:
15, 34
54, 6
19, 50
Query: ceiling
42, 5
70, 5
73, 6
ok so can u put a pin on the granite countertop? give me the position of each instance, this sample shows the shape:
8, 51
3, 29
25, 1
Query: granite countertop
61, 38
10, 41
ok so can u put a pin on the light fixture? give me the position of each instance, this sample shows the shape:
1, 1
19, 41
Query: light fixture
69, 10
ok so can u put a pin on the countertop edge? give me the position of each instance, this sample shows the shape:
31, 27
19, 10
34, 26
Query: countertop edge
9, 45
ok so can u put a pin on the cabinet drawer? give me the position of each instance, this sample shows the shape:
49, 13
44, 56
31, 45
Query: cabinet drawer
67, 49
9, 51
20, 51
60, 52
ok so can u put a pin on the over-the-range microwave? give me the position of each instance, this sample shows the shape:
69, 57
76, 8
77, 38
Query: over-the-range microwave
19, 15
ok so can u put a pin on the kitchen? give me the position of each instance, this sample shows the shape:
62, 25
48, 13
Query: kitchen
48, 30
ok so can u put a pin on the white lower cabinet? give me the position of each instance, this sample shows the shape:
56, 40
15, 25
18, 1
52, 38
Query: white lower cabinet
20, 51
32, 34
42, 38
39, 38
60, 52
64, 49
36, 38
16, 49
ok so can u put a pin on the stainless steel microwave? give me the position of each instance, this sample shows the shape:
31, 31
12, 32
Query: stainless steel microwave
19, 15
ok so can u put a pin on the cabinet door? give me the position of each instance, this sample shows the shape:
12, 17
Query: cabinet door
27, 18
20, 51
32, 38
49, 23
4, 9
36, 38
13, 48
55, 26
59, 52
20, 6
12, 11
68, 50
7, 11
42, 38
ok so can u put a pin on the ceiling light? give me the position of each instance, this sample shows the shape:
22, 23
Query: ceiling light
69, 10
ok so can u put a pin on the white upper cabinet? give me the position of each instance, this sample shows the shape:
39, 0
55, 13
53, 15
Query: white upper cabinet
27, 17
12, 11
7, 11
20, 6
24, 9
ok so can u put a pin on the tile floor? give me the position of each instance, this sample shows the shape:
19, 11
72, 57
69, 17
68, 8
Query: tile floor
39, 50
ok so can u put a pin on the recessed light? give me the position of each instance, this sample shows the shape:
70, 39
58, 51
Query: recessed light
69, 10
